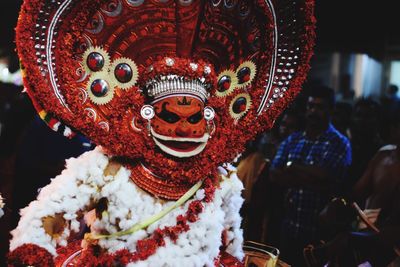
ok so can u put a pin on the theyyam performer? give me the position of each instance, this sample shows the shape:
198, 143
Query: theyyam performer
170, 91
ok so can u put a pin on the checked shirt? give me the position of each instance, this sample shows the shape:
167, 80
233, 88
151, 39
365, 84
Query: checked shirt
331, 151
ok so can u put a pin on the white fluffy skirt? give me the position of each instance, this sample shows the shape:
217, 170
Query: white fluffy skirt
83, 183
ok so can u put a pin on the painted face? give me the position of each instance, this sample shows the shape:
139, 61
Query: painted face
179, 127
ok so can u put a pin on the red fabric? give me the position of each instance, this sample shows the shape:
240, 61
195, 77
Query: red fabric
30, 254
227, 260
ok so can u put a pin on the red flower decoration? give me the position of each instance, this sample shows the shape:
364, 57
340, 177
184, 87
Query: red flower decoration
31, 255
94, 256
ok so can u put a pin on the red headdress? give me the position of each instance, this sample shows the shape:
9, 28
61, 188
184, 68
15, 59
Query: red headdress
101, 67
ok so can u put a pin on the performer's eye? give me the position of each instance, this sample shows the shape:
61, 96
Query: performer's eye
195, 118
168, 116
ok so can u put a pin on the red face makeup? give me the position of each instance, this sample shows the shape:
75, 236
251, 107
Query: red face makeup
179, 127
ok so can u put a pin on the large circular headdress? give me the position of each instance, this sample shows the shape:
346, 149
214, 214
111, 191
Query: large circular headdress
94, 64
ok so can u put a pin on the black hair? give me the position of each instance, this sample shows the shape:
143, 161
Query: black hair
393, 89
368, 102
324, 92
297, 114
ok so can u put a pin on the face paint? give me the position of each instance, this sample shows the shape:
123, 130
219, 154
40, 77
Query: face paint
179, 127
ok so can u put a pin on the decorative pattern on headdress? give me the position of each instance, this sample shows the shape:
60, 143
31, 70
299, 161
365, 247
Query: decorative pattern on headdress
95, 59
239, 105
226, 83
94, 64
245, 73
124, 72
100, 88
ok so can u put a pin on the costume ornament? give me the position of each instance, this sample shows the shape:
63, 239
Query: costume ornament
170, 90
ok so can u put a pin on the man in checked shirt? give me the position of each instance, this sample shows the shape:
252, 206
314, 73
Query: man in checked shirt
311, 165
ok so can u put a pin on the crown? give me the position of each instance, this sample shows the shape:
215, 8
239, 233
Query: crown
164, 86
184, 102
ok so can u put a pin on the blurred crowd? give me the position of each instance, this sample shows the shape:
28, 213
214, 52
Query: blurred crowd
323, 184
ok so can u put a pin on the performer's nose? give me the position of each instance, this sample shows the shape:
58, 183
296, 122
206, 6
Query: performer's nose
182, 130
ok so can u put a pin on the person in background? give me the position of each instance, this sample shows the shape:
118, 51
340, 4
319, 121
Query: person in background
262, 209
390, 103
346, 93
249, 170
255, 162
392, 93
292, 121
311, 165
365, 137
341, 117
380, 182
379, 188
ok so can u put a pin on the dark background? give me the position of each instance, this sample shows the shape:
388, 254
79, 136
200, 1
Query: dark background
361, 26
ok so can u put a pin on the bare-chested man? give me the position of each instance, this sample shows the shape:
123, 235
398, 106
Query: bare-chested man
380, 188
380, 183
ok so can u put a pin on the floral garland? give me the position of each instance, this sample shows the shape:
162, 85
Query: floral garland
145, 247
203, 219
30, 255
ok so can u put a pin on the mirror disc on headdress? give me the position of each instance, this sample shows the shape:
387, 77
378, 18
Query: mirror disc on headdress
244, 75
95, 61
123, 73
239, 105
224, 83
99, 87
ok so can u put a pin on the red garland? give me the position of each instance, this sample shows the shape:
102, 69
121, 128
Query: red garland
30, 255
145, 248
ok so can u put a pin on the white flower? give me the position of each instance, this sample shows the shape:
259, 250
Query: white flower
83, 184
